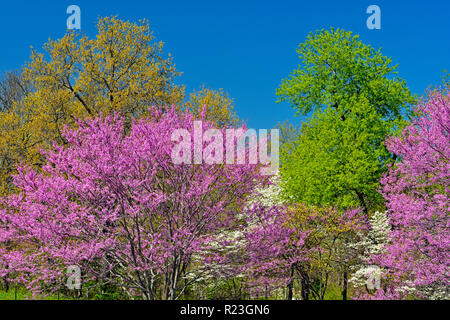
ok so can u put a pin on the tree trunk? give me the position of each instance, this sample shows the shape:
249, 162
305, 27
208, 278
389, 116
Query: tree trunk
362, 202
305, 286
345, 286
291, 285
6, 284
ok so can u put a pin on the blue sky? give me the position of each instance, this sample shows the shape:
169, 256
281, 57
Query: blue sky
246, 47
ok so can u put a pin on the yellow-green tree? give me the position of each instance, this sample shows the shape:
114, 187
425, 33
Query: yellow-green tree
121, 69
217, 105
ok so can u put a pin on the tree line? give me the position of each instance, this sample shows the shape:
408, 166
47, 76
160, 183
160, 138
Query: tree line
359, 208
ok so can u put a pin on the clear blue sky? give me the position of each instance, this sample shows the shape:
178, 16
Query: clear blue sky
245, 47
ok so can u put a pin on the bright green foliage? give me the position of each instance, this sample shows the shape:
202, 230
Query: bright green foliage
335, 67
339, 155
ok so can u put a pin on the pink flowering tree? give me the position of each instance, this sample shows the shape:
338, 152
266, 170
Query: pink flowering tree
113, 203
275, 248
416, 260
289, 243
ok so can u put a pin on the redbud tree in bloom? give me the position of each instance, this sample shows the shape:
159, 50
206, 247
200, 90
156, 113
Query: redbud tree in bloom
296, 242
416, 260
114, 203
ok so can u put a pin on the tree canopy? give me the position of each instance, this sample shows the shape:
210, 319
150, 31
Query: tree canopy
345, 87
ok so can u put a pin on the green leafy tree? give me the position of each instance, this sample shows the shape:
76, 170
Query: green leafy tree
349, 90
